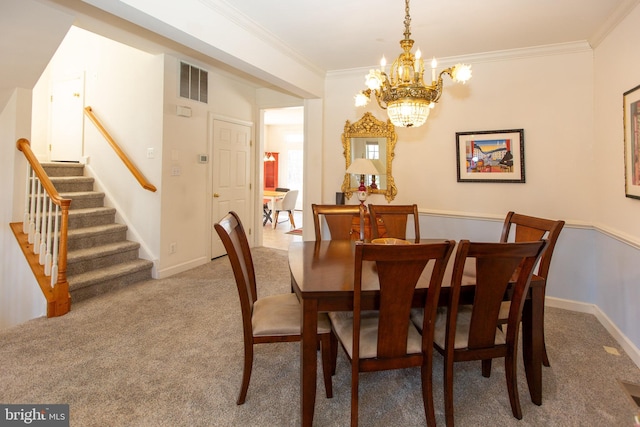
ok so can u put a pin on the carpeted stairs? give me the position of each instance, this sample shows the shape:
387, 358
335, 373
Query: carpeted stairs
100, 258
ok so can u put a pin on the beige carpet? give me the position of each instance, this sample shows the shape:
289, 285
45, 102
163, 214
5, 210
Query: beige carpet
169, 353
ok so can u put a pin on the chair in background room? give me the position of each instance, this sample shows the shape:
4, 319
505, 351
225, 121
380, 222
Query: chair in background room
528, 229
394, 219
339, 219
268, 210
470, 332
271, 319
286, 204
385, 339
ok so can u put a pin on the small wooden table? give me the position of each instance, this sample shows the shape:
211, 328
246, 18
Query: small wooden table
322, 278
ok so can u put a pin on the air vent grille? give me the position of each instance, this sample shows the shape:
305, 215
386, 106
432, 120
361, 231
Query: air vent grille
194, 83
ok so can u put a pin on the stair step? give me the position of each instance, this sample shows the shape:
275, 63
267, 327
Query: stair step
86, 285
67, 184
84, 199
63, 169
89, 237
99, 257
90, 217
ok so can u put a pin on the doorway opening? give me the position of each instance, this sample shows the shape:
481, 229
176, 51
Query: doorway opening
283, 139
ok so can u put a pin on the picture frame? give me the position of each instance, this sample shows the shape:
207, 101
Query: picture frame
490, 156
631, 120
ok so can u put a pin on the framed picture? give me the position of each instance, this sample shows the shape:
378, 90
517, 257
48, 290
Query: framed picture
490, 156
632, 142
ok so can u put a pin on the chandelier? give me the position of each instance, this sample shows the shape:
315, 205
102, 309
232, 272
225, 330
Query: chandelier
403, 93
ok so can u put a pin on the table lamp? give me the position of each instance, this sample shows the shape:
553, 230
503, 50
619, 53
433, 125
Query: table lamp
362, 167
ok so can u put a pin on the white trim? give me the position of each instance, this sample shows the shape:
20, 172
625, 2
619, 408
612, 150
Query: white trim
179, 268
632, 351
498, 55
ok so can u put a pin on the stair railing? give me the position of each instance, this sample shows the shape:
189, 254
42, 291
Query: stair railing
88, 111
43, 233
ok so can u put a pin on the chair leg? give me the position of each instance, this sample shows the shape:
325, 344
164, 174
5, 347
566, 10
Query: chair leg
293, 223
427, 392
545, 357
334, 353
246, 372
327, 363
512, 385
486, 368
354, 393
448, 390
275, 219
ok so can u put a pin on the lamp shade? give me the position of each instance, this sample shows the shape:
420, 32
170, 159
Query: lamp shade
363, 167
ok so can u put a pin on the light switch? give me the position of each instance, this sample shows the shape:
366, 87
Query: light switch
151, 153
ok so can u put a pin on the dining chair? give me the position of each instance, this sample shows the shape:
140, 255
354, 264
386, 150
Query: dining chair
394, 219
339, 220
286, 204
529, 228
465, 332
266, 209
385, 339
270, 319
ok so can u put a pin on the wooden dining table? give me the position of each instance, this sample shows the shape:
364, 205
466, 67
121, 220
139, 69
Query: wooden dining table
322, 278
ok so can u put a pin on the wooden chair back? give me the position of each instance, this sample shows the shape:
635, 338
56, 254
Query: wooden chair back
398, 268
528, 229
398, 344
497, 265
234, 239
339, 220
394, 218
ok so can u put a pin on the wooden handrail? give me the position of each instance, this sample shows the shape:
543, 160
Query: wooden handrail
58, 297
125, 159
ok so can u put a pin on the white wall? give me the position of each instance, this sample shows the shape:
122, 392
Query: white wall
186, 198
617, 276
123, 86
21, 296
555, 110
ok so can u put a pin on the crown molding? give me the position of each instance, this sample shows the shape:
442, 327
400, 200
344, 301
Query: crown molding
612, 21
493, 56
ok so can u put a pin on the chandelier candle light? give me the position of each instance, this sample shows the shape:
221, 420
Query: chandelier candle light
403, 93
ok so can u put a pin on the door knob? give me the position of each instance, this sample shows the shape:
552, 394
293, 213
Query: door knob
216, 195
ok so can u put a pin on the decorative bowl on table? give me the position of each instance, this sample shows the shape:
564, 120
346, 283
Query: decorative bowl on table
390, 241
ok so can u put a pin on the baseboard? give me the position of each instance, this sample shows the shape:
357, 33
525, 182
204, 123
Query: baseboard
632, 351
179, 268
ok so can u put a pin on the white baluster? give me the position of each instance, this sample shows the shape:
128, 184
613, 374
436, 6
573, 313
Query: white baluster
32, 208
47, 260
36, 237
27, 196
54, 261
43, 233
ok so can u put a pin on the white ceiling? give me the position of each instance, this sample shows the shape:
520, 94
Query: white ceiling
345, 34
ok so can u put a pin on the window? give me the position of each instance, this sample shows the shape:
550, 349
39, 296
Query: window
194, 83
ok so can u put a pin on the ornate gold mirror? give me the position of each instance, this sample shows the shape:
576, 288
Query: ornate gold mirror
369, 138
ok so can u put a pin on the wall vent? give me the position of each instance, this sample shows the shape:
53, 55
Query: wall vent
194, 83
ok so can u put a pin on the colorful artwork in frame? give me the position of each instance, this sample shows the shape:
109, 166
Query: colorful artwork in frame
632, 142
490, 156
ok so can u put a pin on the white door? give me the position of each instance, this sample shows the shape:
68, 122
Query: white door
231, 174
66, 119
